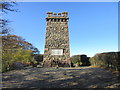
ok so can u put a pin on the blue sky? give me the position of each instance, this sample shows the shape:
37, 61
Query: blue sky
93, 26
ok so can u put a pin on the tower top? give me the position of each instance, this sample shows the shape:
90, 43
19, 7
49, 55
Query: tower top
63, 14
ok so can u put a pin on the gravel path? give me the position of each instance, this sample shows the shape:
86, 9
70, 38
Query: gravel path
81, 77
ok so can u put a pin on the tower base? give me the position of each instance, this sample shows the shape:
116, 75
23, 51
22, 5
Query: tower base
56, 63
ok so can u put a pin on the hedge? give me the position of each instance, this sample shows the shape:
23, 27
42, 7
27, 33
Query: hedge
107, 60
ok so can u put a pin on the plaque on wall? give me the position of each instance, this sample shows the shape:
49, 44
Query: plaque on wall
56, 51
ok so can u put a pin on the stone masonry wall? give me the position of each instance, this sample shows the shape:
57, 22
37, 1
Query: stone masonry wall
56, 38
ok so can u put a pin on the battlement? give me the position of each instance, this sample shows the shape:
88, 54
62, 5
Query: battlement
51, 14
57, 17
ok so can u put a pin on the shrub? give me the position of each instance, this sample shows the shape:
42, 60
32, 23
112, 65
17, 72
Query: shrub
107, 60
75, 59
38, 57
84, 60
9, 58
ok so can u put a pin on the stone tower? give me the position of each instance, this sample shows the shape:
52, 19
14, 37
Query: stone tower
56, 51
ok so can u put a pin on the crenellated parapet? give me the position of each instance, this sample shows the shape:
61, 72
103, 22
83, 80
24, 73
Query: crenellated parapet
57, 17
51, 14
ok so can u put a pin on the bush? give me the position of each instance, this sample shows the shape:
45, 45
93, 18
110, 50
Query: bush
80, 60
38, 57
17, 65
9, 58
84, 60
34, 63
16, 49
75, 59
107, 60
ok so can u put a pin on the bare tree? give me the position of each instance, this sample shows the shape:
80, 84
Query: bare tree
5, 7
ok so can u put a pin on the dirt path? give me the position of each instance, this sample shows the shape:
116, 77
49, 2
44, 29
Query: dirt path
82, 77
